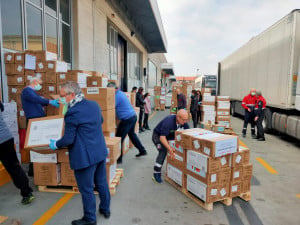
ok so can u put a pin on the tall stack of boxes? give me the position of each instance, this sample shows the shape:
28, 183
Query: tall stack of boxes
186, 89
162, 102
209, 165
173, 108
223, 111
157, 90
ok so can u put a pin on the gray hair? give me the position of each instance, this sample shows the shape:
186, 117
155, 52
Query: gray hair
35, 79
71, 87
112, 84
258, 93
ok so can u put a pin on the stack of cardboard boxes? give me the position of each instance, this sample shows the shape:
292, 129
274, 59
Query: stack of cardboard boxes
163, 92
186, 89
160, 97
209, 165
223, 111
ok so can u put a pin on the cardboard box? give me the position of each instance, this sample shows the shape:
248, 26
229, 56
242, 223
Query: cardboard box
132, 99
109, 134
19, 58
225, 123
63, 156
247, 171
179, 161
223, 112
208, 116
51, 77
22, 120
67, 175
105, 97
113, 145
223, 105
42, 76
41, 66
43, 155
223, 98
110, 172
218, 128
205, 90
208, 99
15, 80
175, 174
236, 174
246, 151
96, 81
157, 88
205, 108
46, 174
50, 89
178, 148
9, 57
222, 118
216, 145
53, 111
237, 159
223, 191
10, 69
235, 189
61, 78
246, 185
16, 98
224, 175
42, 55
109, 123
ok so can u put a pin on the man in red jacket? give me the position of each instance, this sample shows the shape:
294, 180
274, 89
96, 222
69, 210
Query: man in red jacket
248, 104
259, 115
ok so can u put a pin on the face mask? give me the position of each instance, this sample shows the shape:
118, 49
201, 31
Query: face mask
65, 109
63, 101
253, 93
37, 87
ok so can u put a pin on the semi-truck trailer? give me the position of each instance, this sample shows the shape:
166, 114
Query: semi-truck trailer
269, 62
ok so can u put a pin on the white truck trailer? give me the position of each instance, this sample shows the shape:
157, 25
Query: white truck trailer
269, 62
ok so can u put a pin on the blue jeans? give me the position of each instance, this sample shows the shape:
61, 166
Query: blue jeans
127, 127
86, 178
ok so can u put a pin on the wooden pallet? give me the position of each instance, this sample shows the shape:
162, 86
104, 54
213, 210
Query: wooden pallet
74, 189
3, 219
208, 206
7, 221
157, 108
245, 196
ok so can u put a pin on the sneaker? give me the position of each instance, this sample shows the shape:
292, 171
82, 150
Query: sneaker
261, 139
141, 154
27, 200
105, 214
157, 178
83, 222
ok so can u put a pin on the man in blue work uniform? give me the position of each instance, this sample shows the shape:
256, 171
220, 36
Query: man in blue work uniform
162, 134
126, 114
32, 104
87, 151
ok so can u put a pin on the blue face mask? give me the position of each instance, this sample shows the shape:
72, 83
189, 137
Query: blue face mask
37, 87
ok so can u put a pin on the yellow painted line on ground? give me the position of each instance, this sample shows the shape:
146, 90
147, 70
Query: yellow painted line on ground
54, 209
298, 196
152, 115
242, 143
266, 165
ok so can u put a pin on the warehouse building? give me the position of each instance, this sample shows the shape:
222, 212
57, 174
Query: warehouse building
123, 39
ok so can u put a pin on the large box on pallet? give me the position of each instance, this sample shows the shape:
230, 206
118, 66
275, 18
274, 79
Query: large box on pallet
109, 120
178, 161
175, 174
97, 81
67, 175
113, 145
177, 147
236, 174
46, 174
105, 97
16, 79
40, 155
235, 189
110, 172
63, 156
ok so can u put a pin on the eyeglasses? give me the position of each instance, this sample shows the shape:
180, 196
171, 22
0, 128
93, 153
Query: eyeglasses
65, 95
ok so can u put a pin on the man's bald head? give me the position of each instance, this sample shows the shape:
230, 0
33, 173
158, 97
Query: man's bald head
182, 116
252, 90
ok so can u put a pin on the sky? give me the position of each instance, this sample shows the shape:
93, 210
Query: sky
201, 33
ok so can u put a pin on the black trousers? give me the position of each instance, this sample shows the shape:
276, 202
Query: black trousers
194, 118
162, 153
198, 116
141, 117
146, 116
127, 127
260, 129
11, 163
249, 118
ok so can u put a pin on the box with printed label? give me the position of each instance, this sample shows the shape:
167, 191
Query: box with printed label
41, 66
223, 105
216, 145
224, 175
237, 159
178, 161
208, 99
222, 118
9, 69
109, 122
235, 189
53, 111
223, 112
225, 123
205, 90
207, 193
15, 80
247, 171
105, 97
218, 128
246, 185
208, 116
15, 90
42, 76
47, 174
63, 156
9, 57
97, 81
113, 145
175, 173
51, 77
67, 175
43, 155
186, 137
22, 120
56, 66
205, 108
223, 98
246, 152
20, 58
177, 147
61, 78
50, 89
236, 174
223, 191
110, 172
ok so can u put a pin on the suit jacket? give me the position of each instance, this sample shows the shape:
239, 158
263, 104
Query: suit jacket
83, 135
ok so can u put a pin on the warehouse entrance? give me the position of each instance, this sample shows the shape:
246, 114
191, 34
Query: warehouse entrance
122, 63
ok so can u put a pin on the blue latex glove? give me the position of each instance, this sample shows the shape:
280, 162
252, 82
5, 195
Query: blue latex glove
54, 102
52, 144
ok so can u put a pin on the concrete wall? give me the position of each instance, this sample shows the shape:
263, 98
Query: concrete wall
158, 59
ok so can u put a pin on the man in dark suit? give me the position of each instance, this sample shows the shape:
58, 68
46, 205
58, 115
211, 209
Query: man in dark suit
87, 151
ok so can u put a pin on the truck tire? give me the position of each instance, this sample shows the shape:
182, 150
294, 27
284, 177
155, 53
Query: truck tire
267, 122
232, 109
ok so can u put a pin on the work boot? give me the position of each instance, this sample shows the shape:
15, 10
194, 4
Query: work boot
83, 222
141, 130
157, 178
261, 139
105, 214
141, 154
28, 199
253, 136
244, 135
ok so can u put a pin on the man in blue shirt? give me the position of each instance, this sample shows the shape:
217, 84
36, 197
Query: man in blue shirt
164, 132
87, 151
126, 115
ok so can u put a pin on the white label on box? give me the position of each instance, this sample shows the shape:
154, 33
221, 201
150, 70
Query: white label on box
236, 174
196, 187
22, 113
41, 65
209, 98
43, 158
61, 67
9, 57
29, 77
223, 161
178, 137
223, 192
19, 57
50, 65
51, 88
50, 56
238, 159
206, 94
224, 105
213, 192
179, 158
213, 178
196, 144
39, 75
197, 162
112, 172
14, 90
206, 150
92, 91
19, 79
175, 174
178, 148
172, 144
20, 68
94, 83
62, 76
227, 146
104, 82
234, 188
